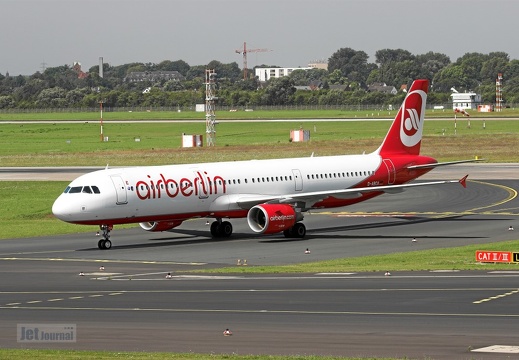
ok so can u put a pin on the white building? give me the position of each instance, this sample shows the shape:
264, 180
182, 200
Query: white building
264, 74
465, 101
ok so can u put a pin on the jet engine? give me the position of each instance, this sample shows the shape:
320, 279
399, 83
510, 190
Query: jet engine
159, 225
271, 218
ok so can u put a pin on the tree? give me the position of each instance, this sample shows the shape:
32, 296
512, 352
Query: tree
279, 91
496, 63
388, 56
75, 97
300, 77
51, 97
6, 102
352, 64
471, 65
431, 64
29, 90
335, 77
225, 71
452, 76
173, 85
197, 71
180, 65
61, 76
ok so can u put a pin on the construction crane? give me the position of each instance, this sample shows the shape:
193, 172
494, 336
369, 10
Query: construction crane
244, 52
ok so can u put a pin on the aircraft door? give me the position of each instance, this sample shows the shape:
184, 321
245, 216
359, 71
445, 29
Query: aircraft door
201, 184
120, 190
391, 172
298, 179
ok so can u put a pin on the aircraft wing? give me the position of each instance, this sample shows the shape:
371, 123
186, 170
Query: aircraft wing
310, 198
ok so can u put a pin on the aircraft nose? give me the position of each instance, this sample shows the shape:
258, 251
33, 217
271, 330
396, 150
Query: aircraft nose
61, 209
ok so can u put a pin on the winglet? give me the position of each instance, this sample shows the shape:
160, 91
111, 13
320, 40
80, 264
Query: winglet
463, 181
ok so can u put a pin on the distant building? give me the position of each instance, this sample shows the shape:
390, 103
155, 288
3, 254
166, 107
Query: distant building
264, 74
80, 73
319, 65
383, 88
153, 76
464, 101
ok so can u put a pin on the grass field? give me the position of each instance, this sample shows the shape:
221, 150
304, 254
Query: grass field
458, 258
303, 113
79, 144
7, 354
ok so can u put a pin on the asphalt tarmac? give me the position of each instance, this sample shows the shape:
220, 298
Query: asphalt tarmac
131, 304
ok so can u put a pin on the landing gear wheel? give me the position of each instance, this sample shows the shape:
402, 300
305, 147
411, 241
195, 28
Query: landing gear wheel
221, 229
296, 231
104, 244
214, 228
225, 229
299, 230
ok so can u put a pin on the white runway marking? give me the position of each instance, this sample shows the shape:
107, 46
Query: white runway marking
505, 349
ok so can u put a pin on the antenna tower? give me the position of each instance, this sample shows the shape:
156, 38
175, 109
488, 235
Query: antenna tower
210, 100
499, 93
244, 52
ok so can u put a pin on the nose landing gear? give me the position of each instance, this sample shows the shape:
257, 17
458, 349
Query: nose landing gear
105, 243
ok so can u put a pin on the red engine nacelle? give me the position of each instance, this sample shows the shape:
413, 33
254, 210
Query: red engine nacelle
271, 218
159, 225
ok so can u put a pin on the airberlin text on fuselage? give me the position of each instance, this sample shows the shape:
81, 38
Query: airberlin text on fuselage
200, 184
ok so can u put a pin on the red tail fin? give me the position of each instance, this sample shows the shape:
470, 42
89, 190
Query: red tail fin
405, 134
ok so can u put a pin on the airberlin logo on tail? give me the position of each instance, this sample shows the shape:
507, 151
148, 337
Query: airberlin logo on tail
411, 124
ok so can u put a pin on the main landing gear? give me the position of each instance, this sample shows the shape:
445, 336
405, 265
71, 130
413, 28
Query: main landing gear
105, 243
221, 228
296, 231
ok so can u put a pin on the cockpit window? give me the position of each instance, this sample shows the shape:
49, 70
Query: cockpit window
82, 189
75, 189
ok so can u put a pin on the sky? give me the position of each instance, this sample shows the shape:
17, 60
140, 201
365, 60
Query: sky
46, 33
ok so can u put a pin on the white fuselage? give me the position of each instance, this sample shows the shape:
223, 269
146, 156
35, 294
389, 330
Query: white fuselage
178, 192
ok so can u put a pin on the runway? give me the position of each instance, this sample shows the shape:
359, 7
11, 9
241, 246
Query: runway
131, 305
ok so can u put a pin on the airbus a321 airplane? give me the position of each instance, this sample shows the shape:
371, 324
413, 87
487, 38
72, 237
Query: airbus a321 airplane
271, 194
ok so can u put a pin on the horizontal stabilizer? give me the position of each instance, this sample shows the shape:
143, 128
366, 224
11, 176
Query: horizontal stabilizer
432, 166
